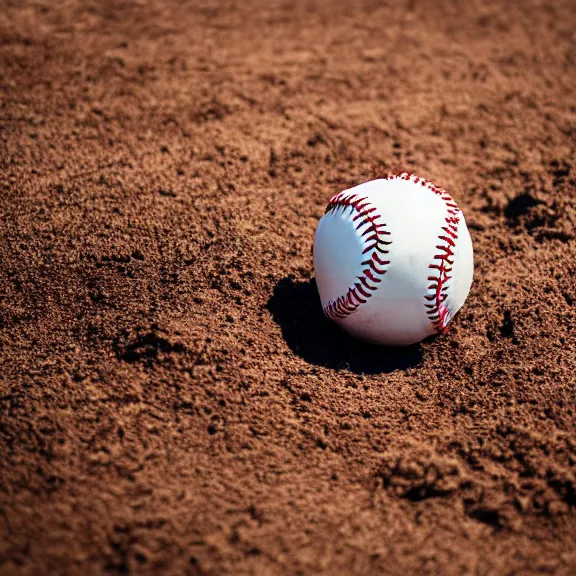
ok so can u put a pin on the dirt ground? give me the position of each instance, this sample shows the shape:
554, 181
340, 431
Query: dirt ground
172, 400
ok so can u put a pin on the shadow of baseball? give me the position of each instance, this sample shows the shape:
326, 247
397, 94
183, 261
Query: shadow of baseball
295, 307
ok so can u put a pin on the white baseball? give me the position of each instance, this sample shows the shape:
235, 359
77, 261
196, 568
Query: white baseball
393, 260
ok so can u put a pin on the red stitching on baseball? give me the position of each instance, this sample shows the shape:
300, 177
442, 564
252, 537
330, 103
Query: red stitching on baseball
375, 243
438, 313
362, 290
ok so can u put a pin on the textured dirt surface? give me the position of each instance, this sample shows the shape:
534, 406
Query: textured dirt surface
171, 398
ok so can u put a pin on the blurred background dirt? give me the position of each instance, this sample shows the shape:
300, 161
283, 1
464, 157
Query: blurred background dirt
171, 399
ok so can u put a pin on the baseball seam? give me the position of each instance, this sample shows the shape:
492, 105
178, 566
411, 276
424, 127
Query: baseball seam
438, 313
375, 246
367, 215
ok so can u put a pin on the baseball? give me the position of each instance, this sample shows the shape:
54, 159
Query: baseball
393, 260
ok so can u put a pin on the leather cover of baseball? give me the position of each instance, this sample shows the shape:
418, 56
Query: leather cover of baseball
393, 260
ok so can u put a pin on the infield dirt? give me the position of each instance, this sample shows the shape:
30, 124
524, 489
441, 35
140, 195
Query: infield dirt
172, 400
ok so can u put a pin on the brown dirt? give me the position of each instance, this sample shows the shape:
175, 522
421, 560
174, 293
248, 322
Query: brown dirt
171, 399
